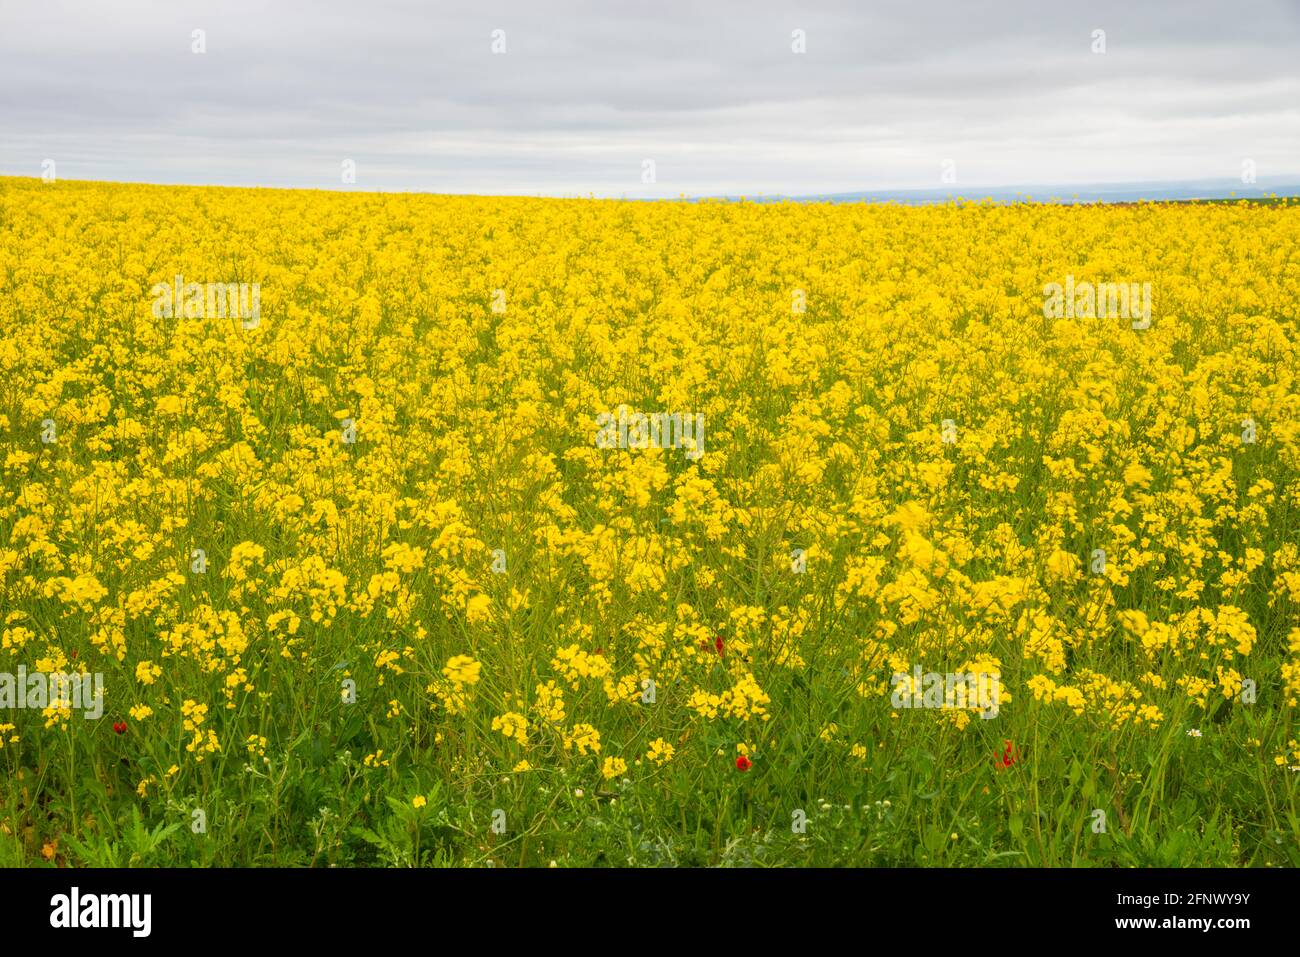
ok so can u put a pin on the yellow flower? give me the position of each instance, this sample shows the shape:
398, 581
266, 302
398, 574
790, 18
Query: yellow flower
583, 738
462, 670
146, 672
512, 725
661, 752
168, 405
477, 609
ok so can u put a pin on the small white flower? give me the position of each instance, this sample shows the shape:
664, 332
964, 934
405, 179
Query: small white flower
1194, 733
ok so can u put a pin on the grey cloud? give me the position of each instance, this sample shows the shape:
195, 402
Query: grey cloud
711, 91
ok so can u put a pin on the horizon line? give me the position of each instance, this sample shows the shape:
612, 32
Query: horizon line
1265, 187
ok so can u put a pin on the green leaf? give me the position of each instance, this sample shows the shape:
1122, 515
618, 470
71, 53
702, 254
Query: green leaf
1016, 824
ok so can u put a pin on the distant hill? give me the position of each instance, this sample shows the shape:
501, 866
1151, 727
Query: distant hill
1066, 193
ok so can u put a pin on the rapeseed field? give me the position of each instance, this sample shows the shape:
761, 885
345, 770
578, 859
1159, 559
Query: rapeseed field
395, 529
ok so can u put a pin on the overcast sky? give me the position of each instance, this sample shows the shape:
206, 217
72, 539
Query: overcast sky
711, 91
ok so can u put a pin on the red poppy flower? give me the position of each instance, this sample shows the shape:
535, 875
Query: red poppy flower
119, 727
718, 644
1008, 756
743, 763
